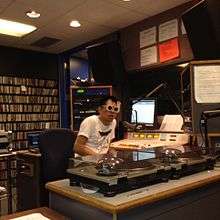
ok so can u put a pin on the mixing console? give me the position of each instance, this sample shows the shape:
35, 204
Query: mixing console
141, 141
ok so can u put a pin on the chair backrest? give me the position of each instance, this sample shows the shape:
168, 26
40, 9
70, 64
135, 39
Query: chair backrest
56, 147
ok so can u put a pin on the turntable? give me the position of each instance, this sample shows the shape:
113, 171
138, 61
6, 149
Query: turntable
137, 170
184, 164
191, 165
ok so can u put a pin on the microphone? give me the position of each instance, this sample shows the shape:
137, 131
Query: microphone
136, 116
129, 125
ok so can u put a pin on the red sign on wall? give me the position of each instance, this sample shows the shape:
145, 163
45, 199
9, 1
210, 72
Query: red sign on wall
169, 50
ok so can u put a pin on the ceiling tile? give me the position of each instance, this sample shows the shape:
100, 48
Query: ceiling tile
49, 14
103, 12
98, 18
5, 3
157, 6
148, 7
53, 5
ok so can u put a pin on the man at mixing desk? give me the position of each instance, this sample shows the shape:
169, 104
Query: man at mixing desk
97, 131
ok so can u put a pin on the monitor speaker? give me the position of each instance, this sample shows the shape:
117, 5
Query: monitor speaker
106, 63
202, 24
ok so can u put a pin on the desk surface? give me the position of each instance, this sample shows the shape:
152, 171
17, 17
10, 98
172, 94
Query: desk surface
138, 197
49, 213
27, 152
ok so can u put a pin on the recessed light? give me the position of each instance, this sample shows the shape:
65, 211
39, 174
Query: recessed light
33, 14
126, 0
16, 29
75, 23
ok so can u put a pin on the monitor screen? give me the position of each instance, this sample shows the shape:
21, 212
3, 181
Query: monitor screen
79, 69
33, 139
143, 112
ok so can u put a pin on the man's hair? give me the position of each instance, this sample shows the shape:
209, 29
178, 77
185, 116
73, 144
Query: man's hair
106, 98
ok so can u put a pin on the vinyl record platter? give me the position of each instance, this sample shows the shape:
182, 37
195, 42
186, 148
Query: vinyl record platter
133, 169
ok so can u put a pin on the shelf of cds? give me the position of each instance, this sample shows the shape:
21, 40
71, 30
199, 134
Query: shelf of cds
8, 172
27, 104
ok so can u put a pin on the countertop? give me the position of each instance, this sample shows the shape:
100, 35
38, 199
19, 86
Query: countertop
142, 196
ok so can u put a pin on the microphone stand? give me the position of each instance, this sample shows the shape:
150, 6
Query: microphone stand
150, 93
164, 86
175, 104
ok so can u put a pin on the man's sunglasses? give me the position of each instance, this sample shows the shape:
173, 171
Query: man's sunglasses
111, 108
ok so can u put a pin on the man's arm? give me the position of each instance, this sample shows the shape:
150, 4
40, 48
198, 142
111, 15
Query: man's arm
81, 148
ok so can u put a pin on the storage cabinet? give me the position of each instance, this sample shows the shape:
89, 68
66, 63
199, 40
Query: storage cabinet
30, 189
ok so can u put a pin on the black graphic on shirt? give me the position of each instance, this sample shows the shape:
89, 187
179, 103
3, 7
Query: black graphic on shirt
104, 133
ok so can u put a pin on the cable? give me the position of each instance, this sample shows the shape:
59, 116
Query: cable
201, 131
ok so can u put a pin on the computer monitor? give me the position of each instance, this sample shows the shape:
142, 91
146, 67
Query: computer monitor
33, 139
144, 112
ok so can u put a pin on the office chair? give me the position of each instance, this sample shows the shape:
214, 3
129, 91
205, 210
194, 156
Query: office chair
56, 147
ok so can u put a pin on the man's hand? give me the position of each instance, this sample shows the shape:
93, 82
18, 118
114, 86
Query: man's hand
112, 152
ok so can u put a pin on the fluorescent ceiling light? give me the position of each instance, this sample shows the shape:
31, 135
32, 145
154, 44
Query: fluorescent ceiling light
75, 23
33, 14
16, 29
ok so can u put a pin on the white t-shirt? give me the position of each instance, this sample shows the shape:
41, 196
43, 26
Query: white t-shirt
98, 134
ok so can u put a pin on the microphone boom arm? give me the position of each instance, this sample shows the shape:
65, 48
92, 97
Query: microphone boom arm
150, 93
164, 86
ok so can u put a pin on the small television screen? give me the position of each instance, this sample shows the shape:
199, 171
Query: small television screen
33, 139
143, 112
